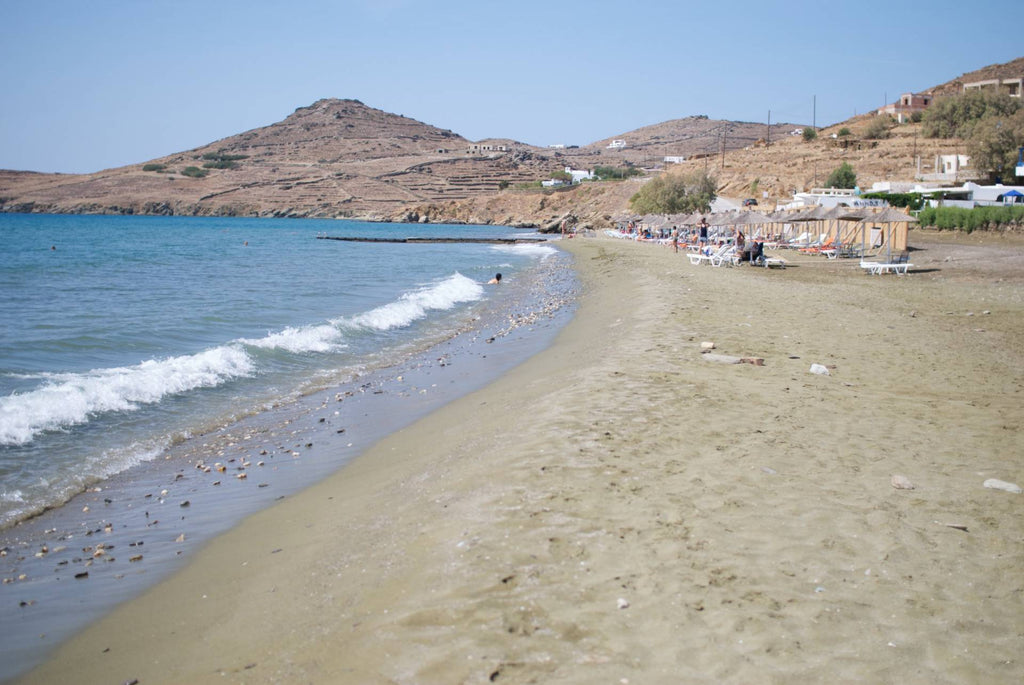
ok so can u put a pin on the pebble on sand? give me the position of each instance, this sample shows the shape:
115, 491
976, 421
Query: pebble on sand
820, 370
901, 482
997, 484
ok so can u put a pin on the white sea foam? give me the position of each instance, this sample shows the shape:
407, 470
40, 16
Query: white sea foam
320, 338
416, 305
12, 496
69, 399
529, 249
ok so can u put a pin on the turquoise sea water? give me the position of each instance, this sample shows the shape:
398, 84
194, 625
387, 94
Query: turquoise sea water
122, 336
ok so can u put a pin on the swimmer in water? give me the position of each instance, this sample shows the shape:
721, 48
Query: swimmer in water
494, 281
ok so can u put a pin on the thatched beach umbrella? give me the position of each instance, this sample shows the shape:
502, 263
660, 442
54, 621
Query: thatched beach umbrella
784, 217
846, 215
806, 217
752, 218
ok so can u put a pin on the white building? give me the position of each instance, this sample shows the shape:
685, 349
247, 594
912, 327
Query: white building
971, 195
579, 175
951, 164
616, 145
674, 159
831, 197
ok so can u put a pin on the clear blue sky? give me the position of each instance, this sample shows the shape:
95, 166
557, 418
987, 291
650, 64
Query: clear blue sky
93, 85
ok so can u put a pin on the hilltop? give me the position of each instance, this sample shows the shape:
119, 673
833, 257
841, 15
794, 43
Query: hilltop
344, 159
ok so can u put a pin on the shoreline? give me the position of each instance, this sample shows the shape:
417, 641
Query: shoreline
618, 508
151, 519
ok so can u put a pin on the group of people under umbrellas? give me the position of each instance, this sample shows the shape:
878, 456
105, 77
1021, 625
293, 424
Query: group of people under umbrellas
694, 228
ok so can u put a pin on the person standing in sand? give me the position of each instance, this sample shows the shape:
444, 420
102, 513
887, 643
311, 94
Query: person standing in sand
675, 239
703, 232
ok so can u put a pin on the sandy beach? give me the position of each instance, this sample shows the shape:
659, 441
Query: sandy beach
623, 509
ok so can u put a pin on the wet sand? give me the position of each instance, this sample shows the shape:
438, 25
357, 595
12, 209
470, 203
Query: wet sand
622, 509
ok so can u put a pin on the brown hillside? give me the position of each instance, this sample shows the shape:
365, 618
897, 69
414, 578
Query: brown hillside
1014, 69
340, 158
335, 158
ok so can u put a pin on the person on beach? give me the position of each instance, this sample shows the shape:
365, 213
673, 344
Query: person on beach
741, 242
703, 231
756, 252
675, 239
495, 281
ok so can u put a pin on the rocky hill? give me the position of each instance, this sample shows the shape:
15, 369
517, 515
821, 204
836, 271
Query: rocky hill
333, 158
770, 171
1014, 69
341, 158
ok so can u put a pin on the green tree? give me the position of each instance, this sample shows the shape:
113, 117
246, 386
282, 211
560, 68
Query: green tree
675, 194
809, 134
956, 116
843, 132
993, 145
842, 177
611, 173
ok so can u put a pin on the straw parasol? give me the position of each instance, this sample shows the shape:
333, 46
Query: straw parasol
846, 214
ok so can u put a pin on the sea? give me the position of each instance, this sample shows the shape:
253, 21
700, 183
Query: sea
211, 366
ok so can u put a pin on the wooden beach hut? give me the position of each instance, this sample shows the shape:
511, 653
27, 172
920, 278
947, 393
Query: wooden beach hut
885, 230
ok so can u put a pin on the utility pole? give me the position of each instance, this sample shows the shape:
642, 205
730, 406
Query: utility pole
814, 113
723, 150
769, 139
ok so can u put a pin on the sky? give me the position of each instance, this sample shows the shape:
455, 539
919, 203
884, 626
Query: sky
86, 86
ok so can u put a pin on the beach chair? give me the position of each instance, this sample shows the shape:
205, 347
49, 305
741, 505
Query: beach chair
878, 268
726, 255
799, 241
706, 256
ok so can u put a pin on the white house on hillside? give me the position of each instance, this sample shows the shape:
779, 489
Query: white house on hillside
579, 174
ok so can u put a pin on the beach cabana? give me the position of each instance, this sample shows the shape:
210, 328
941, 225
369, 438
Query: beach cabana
888, 228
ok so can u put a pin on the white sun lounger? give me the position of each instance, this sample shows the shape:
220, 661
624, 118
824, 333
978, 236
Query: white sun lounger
878, 268
697, 258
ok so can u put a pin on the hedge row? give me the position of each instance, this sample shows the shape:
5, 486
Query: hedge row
958, 218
